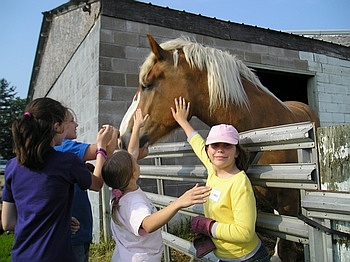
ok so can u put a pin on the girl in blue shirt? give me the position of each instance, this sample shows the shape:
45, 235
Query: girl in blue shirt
39, 183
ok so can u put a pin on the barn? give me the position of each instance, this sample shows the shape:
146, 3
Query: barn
89, 53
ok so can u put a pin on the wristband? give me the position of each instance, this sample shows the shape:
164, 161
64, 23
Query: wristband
101, 152
101, 149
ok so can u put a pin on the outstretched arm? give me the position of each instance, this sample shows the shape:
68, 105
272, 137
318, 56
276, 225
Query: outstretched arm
134, 144
158, 219
180, 114
103, 136
8, 216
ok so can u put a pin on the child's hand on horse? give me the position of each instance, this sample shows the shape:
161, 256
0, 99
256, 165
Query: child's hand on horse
181, 111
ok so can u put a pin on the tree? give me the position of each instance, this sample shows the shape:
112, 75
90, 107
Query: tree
10, 108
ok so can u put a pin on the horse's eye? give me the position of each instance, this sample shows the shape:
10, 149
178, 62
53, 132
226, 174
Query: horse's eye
147, 86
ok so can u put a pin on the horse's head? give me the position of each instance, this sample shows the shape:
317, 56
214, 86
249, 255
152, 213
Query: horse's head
164, 76
213, 81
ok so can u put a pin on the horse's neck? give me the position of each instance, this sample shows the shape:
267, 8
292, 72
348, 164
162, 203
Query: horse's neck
263, 111
241, 120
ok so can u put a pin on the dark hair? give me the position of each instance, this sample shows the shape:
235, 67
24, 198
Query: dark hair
242, 161
34, 131
118, 170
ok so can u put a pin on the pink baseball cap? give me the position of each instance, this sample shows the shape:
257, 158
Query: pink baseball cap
223, 134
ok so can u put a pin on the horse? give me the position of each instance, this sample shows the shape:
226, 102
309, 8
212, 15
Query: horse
221, 89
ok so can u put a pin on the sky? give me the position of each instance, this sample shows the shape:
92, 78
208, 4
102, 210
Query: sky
20, 23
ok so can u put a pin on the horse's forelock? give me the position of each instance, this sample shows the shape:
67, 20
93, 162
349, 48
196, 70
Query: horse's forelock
149, 62
176, 57
146, 68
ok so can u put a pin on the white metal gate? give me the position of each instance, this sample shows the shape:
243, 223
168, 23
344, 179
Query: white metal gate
323, 209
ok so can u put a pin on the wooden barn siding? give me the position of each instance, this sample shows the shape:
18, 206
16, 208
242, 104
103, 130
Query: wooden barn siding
334, 163
334, 157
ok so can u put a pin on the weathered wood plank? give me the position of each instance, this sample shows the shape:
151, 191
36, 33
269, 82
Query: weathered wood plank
334, 157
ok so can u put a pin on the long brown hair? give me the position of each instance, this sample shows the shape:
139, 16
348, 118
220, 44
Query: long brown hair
34, 130
242, 161
117, 172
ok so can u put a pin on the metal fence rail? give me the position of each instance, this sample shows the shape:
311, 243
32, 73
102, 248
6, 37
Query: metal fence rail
304, 175
297, 175
328, 209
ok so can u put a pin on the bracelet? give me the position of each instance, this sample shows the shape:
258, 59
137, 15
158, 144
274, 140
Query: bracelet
101, 153
101, 149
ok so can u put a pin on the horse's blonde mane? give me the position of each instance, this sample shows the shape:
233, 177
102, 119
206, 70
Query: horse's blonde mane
224, 71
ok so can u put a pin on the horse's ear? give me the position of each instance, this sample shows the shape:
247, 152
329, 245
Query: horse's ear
159, 52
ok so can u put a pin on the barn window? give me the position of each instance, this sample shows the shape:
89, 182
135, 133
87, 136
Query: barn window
286, 86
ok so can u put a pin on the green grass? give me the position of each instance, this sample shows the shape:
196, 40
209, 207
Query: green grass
6, 243
103, 251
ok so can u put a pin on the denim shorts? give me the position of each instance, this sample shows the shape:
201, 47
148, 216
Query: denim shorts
260, 256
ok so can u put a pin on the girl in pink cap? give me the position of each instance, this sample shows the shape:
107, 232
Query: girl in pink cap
230, 212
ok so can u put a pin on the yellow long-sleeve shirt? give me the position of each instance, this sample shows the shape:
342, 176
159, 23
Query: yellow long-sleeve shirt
232, 204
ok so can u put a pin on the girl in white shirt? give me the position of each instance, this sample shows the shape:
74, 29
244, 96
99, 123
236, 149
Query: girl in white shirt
135, 221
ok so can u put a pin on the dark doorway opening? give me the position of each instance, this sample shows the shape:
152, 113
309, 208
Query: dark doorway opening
286, 86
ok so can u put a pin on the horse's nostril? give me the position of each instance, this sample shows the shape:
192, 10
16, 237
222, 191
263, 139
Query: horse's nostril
143, 141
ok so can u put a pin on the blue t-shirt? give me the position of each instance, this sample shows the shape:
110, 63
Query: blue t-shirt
43, 200
81, 208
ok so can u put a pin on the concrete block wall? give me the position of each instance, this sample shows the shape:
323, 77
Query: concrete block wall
122, 53
62, 37
332, 87
78, 88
